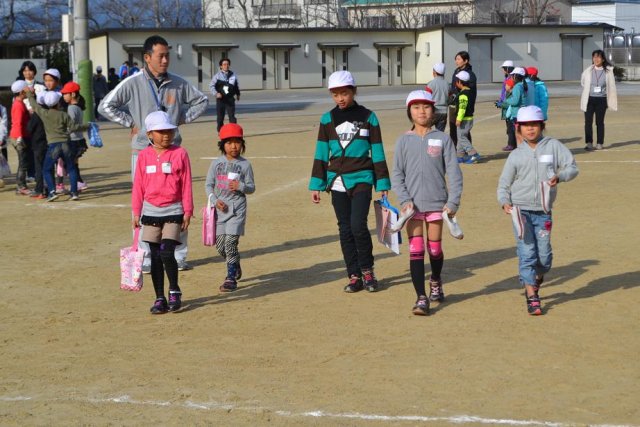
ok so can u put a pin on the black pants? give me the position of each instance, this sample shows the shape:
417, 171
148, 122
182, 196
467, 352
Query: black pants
440, 121
511, 133
453, 130
227, 105
95, 109
39, 153
23, 150
355, 239
597, 106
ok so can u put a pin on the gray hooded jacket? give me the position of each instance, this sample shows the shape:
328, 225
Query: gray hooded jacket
526, 168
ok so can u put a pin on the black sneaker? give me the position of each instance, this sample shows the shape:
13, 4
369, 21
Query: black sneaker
175, 300
422, 306
369, 280
229, 285
355, 284
436, 291
534, 307
160, 306
238, 271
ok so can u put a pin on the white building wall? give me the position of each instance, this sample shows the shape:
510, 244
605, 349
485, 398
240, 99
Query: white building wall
628, 17
583, 13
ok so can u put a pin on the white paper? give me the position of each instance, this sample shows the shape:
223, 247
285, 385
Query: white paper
151, 168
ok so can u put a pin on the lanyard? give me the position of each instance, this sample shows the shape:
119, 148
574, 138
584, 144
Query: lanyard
159, 106
598, 76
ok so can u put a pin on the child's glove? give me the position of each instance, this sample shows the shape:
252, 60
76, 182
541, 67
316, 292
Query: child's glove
498, 104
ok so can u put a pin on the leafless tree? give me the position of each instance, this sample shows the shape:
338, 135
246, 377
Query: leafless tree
8, 15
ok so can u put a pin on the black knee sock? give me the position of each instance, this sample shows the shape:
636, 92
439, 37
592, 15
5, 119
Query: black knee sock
167, 253
416, 266
157, 270
436, 266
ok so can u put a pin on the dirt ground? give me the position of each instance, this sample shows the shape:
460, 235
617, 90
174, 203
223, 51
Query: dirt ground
290, 347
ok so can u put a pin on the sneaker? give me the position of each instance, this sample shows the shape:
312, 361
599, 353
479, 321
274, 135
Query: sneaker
52, 197
160, 306
238, 271
23, 191
355, 284
436, 293
39, 196
473, 159
31, 179
82, 186
589, 146
422, 306
229, 285
508, 148
146, 268
60, 189
369, 281
462, 159
599, 147
175, 300
182, 266
74, 196
454, 228
405, 216
533, 305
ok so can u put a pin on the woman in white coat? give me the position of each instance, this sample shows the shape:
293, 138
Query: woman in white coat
598, 94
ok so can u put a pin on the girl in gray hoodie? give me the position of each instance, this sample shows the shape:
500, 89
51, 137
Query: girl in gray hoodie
526, 190
423, 157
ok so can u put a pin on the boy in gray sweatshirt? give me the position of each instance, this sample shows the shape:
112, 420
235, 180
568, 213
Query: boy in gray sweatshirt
526, 190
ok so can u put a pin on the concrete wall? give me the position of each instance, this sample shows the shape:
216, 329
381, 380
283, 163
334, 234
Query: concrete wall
99, 53
428, 56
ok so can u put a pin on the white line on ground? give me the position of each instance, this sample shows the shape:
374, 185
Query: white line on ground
73, 205
281, 188
265, 157
209, 406
608, 161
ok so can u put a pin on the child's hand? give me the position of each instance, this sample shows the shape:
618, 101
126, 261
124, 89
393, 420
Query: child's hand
448, 211
553, 181
507, 208
234, 185
315, 196
186, 220
221, 206
407, 207
135, 222
458, 123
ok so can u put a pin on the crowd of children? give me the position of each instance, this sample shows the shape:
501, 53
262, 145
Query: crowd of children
349, 163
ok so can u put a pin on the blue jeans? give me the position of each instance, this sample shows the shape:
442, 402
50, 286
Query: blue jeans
534, 250
55, 151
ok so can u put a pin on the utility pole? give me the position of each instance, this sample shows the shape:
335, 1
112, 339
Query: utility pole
83, 64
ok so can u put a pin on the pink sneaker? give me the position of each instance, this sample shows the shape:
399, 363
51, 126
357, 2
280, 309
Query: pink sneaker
82, 186
60, 189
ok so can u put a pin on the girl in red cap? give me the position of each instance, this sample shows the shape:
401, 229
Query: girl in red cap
229, 180
75, 107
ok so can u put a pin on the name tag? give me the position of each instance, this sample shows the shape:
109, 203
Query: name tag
546, 158
232, 176
151, 169
364, 132
166, 167
435, 142
597, 89
225, 89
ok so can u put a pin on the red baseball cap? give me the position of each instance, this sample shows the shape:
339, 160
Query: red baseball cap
509, 83
231, 130
70, 87
532, 71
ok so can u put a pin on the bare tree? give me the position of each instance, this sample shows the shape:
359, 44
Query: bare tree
7, 12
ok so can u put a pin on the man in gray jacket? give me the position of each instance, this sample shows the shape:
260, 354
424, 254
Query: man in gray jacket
154, 89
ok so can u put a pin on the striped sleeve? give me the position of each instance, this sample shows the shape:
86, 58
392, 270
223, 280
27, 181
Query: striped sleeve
380, 170
318, 180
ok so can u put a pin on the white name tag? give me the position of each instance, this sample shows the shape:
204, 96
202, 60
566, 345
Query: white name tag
364, 132
166, 167
232, 176
435, 142
151, 169
597, 89
546, 158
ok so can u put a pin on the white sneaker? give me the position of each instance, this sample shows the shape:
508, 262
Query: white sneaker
405, 216
517, 222
454, 228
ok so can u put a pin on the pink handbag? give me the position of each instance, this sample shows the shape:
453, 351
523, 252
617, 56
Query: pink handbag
60, 169
209, 217
131, 259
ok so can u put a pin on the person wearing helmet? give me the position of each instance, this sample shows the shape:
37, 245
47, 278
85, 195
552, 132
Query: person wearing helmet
526, 190
229, 180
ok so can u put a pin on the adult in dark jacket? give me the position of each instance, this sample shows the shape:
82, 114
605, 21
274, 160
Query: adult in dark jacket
100, 90
224, 85
462, 64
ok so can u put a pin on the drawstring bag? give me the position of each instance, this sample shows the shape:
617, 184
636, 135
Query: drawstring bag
131, 259
60, 169
209, 218
95, 140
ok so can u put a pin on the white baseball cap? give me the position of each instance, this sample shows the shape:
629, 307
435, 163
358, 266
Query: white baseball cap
40, 97
439, 68
532, 113
464, 76
519, 70
507, 64
341, 78
419, 96
53, 72
18, 86
158, 120
52, 98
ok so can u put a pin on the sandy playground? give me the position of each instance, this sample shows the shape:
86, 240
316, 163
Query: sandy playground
289, 347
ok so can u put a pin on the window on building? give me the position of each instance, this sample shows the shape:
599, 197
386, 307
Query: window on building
429, 19
553, 19
501, 17
264, 66
385, 21
399, 63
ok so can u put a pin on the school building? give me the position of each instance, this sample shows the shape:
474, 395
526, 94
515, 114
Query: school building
304, 58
